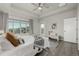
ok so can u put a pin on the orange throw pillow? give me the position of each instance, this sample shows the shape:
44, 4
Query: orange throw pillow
13, 40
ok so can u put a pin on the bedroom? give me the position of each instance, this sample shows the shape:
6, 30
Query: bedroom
43, 23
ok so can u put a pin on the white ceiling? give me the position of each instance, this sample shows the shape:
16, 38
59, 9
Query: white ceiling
28, 7
52, 7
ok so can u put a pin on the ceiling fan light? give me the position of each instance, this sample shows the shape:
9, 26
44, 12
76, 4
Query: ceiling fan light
39, 8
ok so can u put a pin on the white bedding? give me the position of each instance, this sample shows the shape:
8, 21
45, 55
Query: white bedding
5, 45
22, 50
28, 39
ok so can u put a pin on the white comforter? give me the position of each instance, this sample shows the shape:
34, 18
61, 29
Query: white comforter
22, 50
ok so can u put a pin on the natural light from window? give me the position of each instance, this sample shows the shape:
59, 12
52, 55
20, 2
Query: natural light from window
18, 26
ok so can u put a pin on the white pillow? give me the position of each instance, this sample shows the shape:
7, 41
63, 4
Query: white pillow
28, 39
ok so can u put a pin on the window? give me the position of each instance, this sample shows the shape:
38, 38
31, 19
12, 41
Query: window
10, 26
18, 26
23, 27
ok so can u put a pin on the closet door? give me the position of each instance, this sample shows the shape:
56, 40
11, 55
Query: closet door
70, 30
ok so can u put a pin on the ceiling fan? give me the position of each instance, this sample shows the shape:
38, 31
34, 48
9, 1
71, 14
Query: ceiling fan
40, 6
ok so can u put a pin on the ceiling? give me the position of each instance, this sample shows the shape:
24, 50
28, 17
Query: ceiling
29, 7
51, 7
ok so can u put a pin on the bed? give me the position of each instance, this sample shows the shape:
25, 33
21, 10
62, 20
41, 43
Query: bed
26, 49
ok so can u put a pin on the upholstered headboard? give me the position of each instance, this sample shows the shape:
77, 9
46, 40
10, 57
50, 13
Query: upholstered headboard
13, 40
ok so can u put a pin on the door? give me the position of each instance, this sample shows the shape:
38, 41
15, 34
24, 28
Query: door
70, 30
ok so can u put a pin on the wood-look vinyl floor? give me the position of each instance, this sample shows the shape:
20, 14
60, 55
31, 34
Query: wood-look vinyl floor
62, 49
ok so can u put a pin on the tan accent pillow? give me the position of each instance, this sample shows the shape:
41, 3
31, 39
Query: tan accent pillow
13, 40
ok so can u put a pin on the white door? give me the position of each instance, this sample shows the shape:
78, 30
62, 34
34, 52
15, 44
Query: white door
70, 30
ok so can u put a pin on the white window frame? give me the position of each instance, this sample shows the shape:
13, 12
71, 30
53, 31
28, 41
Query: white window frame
20, 26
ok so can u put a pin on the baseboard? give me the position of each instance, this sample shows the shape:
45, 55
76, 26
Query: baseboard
70, 42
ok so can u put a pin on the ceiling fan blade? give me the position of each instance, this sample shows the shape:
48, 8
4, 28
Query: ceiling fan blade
35, 4
39, 4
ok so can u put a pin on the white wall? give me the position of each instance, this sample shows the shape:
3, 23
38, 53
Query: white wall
59, 19
78, 23
36, 28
